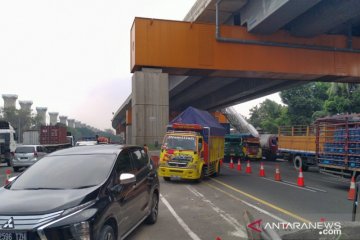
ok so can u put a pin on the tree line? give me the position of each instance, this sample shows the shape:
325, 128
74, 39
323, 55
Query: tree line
23, 120
304, 104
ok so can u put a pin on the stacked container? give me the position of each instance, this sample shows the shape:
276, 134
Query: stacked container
338, 141
53, 135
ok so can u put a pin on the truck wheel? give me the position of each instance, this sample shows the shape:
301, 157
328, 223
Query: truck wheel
300, 163
167, 179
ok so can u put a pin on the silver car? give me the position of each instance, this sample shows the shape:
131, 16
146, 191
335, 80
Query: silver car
27, 155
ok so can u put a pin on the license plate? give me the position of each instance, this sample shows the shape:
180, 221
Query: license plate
13, 236
173, 177
23, 158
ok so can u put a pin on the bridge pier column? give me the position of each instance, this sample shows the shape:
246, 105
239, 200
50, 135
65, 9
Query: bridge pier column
150, 106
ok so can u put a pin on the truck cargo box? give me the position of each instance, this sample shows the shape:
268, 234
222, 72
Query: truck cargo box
53, 135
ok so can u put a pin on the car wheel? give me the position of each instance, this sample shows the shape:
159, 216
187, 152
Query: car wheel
16, 169
8, 163
107, 233
152, 218
167, 179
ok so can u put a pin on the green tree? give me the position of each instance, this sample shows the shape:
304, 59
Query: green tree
268, 116
304, 100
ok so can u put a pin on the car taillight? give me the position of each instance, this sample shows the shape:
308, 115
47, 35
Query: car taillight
35, 154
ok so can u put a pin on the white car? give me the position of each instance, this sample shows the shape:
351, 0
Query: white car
27, 155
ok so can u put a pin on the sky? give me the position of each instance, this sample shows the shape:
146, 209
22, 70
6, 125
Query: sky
73, 56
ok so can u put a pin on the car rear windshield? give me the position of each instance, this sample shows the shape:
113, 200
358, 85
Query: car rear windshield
66, 172
24, 150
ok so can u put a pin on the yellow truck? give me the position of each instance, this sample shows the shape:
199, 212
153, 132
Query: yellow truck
192, 147
298, 145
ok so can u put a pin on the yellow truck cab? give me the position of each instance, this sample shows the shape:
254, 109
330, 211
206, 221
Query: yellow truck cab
192, 150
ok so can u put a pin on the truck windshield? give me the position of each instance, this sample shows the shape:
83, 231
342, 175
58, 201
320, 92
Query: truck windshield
180, 142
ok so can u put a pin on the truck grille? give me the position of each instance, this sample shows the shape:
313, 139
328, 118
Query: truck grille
180, 161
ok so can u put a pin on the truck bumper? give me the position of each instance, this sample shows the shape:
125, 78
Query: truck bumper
183, 173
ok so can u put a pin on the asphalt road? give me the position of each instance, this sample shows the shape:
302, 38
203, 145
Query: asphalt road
214, 208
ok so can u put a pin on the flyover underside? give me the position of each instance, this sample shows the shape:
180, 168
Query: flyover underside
214, 93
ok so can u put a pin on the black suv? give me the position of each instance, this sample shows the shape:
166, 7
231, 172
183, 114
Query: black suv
82, 193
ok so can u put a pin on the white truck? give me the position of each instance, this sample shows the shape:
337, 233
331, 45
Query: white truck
7, 142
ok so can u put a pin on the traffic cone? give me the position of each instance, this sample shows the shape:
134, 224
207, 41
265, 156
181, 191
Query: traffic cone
231, 163
262, 170
277, 173
8, 172
239, 165
300, 180
351, 194
248, 167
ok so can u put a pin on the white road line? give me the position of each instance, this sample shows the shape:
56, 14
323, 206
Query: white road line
251, 205
239, 229
313, 188
179, 219
289, 184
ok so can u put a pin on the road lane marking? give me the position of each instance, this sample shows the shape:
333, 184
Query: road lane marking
239, 229
307, 188
179, 219
262, 201
313, 188
290, 184
248, 204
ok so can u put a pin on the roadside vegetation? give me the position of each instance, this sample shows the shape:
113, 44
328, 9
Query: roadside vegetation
304, 104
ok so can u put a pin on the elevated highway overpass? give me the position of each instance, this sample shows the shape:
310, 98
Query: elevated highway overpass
231, 51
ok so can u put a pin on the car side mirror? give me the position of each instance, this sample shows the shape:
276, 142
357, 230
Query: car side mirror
126, 178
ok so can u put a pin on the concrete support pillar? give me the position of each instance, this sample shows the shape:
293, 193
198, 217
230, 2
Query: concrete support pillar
63, 119
10, 100
71, 123
41, 112
77, 124
128, 134
26, 106
53, 118
150, 106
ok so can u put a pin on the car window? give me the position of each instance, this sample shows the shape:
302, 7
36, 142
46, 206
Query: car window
139, 159
124, 163
39, 149
66, 172
24, 150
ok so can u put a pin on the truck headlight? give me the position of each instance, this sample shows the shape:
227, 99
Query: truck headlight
81, 231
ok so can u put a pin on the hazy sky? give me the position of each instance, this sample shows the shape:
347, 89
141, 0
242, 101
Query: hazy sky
72, 56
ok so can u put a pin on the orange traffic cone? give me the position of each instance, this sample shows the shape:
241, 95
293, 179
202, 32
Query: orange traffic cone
221, 162
300, 180
262, 170
8, 172
239, 165
277, 173
351, 194
248, 167
231, 163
